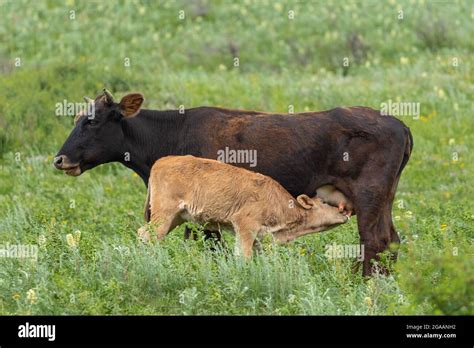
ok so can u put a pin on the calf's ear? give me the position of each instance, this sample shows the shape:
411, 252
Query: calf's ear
305, 201
130, 104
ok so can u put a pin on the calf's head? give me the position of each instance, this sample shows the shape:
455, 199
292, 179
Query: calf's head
97, 136
320, 216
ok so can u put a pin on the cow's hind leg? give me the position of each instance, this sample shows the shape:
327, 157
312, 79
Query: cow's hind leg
376, 238
376, 229
373, 196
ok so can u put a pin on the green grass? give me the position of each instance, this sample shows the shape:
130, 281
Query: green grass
190, 62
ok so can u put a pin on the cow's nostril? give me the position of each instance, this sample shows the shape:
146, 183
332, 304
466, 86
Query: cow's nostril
58, 161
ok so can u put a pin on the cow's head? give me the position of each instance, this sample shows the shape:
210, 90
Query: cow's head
97, 136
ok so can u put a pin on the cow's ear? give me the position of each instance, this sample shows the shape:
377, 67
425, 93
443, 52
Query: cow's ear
130, 104
305, 201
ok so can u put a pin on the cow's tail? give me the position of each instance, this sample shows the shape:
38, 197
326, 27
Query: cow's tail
147, 205
408, 149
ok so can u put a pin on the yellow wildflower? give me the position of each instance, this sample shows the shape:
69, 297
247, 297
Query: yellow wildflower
77, 235
368, 301
71, 241
31, 296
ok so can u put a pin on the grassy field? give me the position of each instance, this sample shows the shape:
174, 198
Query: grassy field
89, 261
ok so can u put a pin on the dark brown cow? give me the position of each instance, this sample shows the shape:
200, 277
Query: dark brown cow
357, 150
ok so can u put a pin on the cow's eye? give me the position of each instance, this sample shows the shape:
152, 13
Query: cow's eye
92, 122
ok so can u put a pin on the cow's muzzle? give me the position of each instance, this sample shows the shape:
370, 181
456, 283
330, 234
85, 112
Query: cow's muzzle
62, 162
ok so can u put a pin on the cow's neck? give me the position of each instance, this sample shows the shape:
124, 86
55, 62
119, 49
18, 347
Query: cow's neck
149, 136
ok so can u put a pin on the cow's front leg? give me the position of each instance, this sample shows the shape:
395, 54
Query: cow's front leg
212, 235
189, 232
215, 237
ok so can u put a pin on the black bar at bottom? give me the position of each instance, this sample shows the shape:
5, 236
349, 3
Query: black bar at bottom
104, 330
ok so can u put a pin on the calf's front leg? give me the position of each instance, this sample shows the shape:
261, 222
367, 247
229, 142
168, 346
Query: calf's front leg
162, 223
246, 232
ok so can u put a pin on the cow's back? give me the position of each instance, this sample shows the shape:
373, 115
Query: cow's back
300, 151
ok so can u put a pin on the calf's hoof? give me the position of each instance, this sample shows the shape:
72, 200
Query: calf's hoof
143, 235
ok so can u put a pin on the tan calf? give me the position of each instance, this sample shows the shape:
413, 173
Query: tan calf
187, 188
